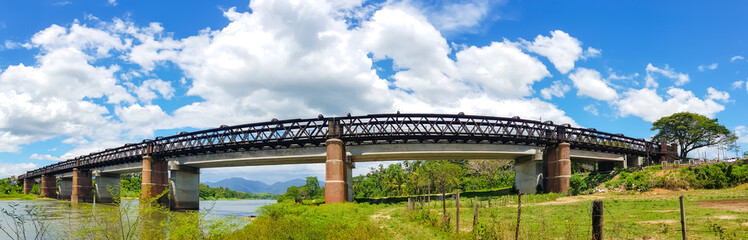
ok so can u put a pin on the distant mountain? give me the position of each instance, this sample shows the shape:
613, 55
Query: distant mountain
251, 186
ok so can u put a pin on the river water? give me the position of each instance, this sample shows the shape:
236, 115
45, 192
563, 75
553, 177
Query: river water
59, 214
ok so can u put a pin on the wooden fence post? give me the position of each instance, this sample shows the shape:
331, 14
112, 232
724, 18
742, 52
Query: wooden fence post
683, 218
457, 204
475, 214
519, 214
597, 220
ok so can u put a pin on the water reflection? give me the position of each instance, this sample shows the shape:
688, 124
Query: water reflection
61, 219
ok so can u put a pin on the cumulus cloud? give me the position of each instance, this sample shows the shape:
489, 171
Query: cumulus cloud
717, 95
652, 71
500, 69
561, 49
742, 133
458, 16
589, 83
44, 157
707, 67
592, 52
284, 59
735, 58
592, 109
10, 169
557, 89
737, 84
648, 105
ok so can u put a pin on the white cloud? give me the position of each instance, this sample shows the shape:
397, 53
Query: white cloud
561, 49
147, 91
679, 78
717, 95
707, 67
742, 133
589, 83
62, 3
737, 84
500, 69
557, 89
592, 109
458, 16
735, 58
44, 157
285, 59
646, 104
112, 2
591, 52
10, 169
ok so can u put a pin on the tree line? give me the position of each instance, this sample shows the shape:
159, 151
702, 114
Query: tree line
130, 187
423, 177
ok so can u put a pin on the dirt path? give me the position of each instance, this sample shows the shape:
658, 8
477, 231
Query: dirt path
735, 205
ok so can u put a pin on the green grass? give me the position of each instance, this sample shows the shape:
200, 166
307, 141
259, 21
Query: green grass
19, 196
629, 215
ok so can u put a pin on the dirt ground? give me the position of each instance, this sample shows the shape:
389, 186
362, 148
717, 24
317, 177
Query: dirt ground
735, 205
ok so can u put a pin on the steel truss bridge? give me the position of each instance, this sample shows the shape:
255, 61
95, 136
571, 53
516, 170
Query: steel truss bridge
361, 130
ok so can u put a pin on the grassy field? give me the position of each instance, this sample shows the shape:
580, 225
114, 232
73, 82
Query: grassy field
711, 214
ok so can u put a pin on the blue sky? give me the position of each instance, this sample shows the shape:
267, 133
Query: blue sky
80, 76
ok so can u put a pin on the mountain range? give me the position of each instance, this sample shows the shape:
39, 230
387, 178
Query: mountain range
252, 186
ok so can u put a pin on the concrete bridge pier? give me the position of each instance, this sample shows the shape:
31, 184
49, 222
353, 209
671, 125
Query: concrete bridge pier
27, 185
49, 186
155, 179
557, 161
66, 188
337, 173
107, 186
633, 161
82, 186
184, 187
528, 173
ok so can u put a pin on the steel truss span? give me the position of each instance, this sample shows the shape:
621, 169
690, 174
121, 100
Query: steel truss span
367, 129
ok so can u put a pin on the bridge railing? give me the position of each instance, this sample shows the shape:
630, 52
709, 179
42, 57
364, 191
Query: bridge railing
373, 128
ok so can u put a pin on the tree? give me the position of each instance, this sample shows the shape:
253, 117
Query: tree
487, 168
293, 192
312, 187
734, 147
690, 131
445, 175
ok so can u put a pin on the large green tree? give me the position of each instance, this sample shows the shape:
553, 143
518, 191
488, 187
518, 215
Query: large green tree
691, 131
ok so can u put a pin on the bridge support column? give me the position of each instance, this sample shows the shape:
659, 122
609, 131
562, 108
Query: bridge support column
27, 185
82, 186
107, 187
336, 171
184, 187
633, 161
66, 188
528, 173
558, 168
155, 179
49, 186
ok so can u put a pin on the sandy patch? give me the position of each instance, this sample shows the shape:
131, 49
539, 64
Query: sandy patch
725, 217
571, 200
382, 215
735, 205
669, 221
745, 224
661, 191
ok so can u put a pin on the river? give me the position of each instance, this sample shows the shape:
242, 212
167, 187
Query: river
60, 213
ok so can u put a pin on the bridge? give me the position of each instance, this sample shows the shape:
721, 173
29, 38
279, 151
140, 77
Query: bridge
542, 151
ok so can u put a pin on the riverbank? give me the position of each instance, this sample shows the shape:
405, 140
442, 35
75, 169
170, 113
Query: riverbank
710, 214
